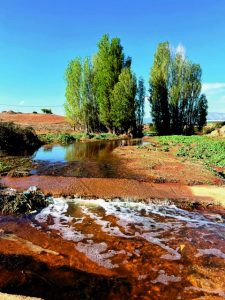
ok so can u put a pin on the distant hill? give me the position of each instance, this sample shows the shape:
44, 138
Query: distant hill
212, 116
41, 123
215, 116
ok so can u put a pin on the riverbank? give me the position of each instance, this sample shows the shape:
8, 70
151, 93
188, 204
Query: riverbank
183, 195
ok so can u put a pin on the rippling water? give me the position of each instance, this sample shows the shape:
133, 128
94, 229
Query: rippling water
158, 244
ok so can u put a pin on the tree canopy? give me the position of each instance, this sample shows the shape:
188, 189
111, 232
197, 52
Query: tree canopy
177, 105
101, 93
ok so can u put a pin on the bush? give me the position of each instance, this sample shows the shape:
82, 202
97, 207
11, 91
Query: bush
15, 139
66, 138
46, 111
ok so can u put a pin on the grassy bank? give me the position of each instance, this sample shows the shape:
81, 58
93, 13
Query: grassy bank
69, 138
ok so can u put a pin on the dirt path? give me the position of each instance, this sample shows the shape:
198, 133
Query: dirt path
124, 188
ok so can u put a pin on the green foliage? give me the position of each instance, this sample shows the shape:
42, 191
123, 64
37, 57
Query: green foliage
89, 101
202, 108
175, 87
211, 151
123, 102
73, 107
108, 63
101, 95
4, 167
46, 111
159, 79
15, 139
70, 138
140, 106
105, 136
66, 138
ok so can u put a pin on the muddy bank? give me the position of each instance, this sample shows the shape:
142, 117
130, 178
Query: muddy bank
207, 196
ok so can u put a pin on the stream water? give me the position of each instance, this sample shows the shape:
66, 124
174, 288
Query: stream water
111, 249
167, 251
114, 249
81, 159
78, 151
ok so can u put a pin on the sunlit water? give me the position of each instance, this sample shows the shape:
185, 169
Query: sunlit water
81, 150
155, 243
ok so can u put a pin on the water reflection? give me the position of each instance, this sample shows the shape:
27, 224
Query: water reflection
79, 151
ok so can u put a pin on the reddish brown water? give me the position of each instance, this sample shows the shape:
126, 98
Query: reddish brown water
97, 249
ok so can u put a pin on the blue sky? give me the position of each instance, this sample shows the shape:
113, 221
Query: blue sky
39, 38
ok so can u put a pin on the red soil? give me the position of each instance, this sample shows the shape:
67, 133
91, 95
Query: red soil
27, 118
105, 188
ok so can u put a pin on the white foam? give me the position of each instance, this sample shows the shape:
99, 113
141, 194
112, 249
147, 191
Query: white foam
157, 224
61, 221
211, 251
165, 279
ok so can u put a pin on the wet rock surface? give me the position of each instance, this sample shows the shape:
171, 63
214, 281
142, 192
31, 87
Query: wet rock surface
13, 202
113, 249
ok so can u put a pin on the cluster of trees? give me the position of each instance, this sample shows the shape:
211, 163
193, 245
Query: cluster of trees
177, 105
102, 93
45, 111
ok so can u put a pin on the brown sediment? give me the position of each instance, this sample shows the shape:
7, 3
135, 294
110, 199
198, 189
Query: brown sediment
123, 188
35, 263
39, 261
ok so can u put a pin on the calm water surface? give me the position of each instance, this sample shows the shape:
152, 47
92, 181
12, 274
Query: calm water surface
79, 151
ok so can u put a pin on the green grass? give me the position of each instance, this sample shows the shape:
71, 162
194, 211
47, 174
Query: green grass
4, 167
67, 138
211, 151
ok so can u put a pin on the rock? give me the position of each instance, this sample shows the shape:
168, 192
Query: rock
18, 173
215, 217
208, 279
29, 201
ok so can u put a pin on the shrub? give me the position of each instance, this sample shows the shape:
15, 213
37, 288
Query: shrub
66, 138
46, 111
15, 139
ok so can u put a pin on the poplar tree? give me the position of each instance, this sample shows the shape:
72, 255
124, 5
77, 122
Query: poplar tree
175, 93
140, 103
108, 63
73, 105
202, 110
89, 103
123, 103
159, 80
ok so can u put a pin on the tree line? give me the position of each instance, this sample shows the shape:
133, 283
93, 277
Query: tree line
177, 105
103, 94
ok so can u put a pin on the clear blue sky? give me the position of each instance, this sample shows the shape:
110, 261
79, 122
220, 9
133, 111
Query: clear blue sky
39, 38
